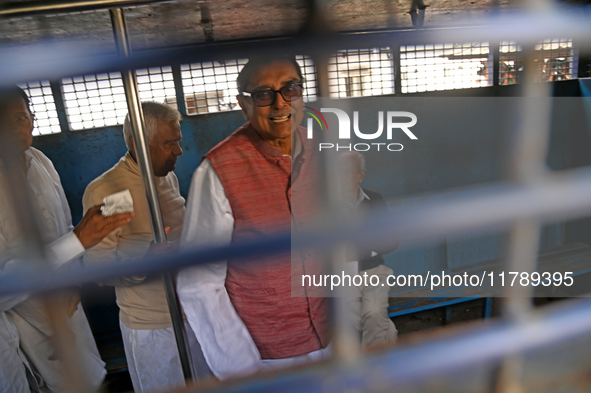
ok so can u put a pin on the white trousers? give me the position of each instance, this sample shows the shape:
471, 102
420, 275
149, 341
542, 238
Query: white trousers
153, 360
369, 309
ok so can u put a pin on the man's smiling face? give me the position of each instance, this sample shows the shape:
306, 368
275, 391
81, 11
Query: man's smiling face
277, 120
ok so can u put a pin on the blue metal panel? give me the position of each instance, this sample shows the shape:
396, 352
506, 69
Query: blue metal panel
434, 302
413, 259
585, 85
81, 156
465, 250
488, 304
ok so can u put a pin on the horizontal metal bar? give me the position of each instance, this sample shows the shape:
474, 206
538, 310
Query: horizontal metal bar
19, 9
561, 196
408, 367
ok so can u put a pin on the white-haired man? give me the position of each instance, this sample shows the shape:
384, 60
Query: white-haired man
145, 321
369, 309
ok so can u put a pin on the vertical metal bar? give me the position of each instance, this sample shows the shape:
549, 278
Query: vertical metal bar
321, 62
58, 99
178, 89
496, 63
345, 344
395, 52
526, 165
145, 163
574, 67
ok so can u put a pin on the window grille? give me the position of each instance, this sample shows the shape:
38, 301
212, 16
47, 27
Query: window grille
211, 86
555, 60
156, 84
511, 64
43, 107
361, 72
445, 66
94, 100
309, 73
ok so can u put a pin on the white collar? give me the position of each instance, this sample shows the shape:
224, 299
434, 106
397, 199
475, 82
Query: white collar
361, 195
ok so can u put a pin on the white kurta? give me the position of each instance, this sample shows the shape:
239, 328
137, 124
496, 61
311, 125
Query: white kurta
51, 207
226, 343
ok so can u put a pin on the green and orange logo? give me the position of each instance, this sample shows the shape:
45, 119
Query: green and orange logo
315, 114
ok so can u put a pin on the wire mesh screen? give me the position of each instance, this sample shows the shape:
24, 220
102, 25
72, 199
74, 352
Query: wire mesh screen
555, 60
94, 100
156, 84
510, 63
309, 73
211, 86
445, 66
361, 72
42, 105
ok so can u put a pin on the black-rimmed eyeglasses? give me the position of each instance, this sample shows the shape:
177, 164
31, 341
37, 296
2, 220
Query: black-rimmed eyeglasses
289, 93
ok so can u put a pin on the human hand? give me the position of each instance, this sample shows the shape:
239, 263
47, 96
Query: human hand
94, 226
161, 248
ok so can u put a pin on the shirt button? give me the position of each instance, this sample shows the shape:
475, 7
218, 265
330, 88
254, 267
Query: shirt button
279, 163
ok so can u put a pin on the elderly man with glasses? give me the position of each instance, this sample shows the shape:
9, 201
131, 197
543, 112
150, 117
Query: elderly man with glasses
243, 312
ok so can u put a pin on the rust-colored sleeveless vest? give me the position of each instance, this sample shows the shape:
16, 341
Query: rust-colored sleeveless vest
257, 181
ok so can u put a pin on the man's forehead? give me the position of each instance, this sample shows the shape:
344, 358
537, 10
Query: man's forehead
18, 104
278, 72
166, 128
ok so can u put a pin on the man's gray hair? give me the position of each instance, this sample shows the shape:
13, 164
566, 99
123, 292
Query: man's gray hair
153, 111
359, 159
360, 162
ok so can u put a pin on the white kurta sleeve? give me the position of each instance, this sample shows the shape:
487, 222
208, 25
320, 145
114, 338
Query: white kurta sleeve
68, 247
65, 249
225, 341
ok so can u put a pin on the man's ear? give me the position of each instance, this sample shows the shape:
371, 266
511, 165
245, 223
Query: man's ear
243, 106
361, 176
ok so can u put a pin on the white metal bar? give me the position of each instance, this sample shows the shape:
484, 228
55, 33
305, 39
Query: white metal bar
145, 163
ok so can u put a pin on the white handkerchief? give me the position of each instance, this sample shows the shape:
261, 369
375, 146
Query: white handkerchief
120, 202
